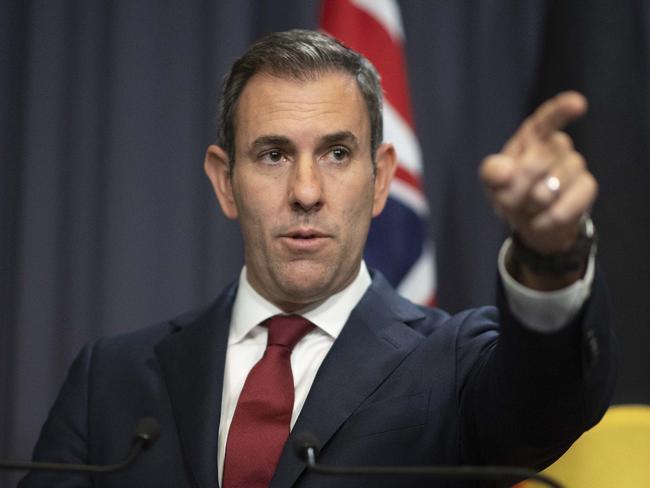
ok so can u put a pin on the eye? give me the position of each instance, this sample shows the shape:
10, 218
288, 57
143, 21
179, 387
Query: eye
337, 155
272, 157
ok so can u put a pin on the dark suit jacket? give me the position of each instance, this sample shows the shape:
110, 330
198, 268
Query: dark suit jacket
402, 385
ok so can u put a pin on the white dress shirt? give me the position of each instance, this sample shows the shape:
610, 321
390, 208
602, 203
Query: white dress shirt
545, 311
541, 311
247, 342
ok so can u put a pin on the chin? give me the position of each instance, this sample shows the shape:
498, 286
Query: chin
306, 285
305, 292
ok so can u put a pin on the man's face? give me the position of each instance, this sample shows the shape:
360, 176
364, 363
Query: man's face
302, 186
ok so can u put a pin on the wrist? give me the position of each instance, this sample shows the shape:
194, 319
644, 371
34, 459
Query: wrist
552, 271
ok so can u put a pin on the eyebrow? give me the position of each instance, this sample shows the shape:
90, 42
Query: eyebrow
272, 140
344, 136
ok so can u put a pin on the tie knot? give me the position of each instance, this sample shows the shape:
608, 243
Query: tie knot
287, 330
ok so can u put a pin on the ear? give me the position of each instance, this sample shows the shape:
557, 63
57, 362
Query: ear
217, 167
386, 163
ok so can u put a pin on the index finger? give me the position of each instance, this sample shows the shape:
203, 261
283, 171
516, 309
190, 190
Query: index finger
551, 116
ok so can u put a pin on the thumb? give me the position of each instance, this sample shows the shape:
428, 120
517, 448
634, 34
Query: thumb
496, 171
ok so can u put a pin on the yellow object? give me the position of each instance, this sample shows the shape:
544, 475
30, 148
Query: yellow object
615, 453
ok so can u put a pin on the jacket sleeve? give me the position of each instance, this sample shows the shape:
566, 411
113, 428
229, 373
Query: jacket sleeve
530, 394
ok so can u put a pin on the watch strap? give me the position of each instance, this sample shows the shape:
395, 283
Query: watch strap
571, 260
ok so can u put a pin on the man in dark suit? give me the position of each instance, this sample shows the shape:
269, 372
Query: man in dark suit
377, 379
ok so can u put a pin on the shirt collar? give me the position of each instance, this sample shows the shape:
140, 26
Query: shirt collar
251, 308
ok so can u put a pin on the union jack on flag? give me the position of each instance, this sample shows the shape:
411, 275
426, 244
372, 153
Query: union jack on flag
397, 242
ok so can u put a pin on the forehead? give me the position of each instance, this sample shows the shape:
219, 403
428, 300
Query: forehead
302, 110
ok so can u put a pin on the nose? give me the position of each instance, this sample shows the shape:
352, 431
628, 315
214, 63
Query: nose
306, 186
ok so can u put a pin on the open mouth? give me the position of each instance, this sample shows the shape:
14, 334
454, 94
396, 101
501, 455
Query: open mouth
304, 239
305, 234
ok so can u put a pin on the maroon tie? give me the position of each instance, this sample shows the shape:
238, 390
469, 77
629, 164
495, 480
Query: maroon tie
260, 426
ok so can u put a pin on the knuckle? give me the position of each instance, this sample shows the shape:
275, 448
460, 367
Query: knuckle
560, 216
536, 163
562, 140
540, 195
576, 162
591, 184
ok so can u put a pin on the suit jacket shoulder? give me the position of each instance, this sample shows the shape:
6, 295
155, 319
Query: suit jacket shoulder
402, 384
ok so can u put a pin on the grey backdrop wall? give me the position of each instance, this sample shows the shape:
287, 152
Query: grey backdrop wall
106, 108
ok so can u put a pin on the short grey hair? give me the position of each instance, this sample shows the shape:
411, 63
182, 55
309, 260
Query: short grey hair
300, 55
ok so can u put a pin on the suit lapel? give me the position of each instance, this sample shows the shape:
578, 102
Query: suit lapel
192, 360
374, 336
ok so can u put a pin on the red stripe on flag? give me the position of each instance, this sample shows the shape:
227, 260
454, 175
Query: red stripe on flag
409, 178
341, 19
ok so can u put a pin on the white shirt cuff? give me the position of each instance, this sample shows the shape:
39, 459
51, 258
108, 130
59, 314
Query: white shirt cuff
544, 311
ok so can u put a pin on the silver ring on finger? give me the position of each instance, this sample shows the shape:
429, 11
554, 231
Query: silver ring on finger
552, 184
